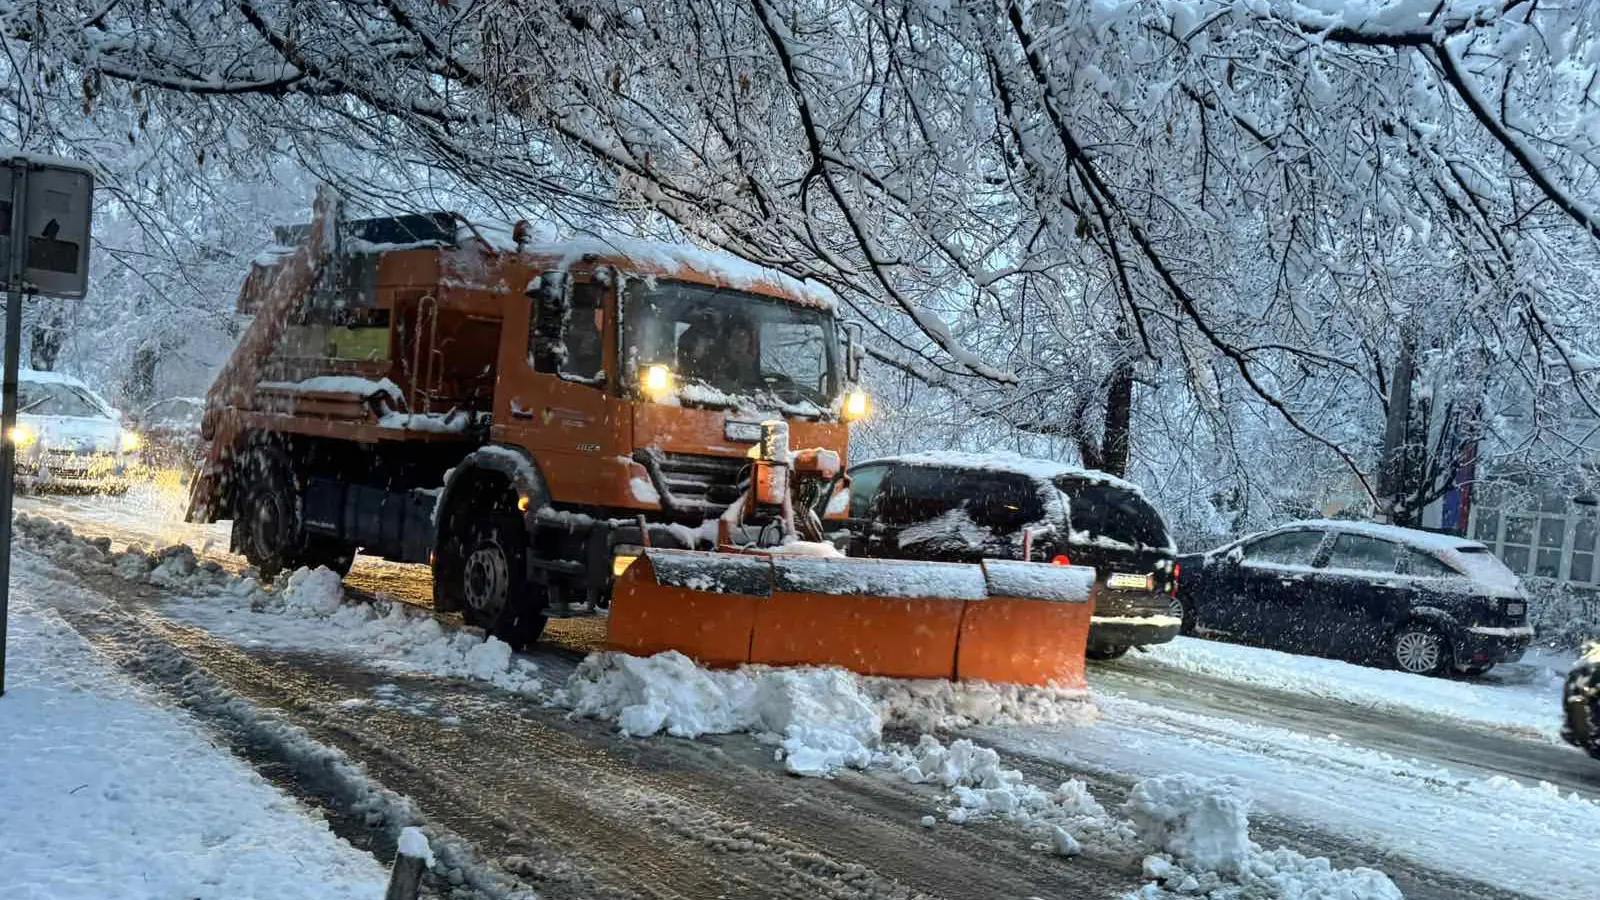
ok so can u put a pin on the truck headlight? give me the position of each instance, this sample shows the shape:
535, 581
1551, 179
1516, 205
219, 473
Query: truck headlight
856, 406
22, 436
656, 381
130, 441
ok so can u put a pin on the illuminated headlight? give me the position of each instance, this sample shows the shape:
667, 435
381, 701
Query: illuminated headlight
22, 436
856, 406
657, 380
620, 564
130, 441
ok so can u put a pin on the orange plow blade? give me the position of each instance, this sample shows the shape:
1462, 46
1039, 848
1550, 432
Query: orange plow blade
1026, 623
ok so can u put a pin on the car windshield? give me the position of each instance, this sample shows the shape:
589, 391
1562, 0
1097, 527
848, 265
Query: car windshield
47, 398
724, 346
1112, 512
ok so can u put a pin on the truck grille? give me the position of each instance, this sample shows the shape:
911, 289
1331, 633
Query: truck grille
689, 483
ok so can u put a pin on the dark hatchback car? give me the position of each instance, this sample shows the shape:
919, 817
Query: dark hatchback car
1422, 602
956, 507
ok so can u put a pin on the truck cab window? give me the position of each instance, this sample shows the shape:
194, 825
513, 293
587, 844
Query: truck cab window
566, 330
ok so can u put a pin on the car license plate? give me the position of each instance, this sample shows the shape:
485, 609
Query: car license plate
1129, 582
1516, 608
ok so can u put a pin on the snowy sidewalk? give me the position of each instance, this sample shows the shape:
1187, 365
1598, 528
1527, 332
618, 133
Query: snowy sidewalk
104, 792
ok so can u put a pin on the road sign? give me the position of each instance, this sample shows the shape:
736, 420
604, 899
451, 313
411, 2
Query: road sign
55, 226
44, 249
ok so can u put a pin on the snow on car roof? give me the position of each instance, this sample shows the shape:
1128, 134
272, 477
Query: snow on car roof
1010, 463
1439, 543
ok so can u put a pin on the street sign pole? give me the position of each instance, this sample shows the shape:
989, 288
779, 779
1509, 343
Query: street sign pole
17, 261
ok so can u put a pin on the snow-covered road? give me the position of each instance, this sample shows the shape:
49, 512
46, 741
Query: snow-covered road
1456, 789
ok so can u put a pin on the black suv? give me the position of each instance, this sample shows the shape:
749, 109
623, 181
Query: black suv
959, 507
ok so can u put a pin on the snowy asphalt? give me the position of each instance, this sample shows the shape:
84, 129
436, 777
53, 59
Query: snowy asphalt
571, 809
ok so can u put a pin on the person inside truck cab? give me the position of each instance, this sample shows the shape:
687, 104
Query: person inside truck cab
725, 354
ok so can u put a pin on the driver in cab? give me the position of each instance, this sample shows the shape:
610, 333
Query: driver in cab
728, 357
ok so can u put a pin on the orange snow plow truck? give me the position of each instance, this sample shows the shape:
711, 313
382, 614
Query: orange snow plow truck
635, 430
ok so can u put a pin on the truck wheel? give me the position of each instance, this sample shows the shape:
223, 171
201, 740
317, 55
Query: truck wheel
268, 517
1420, 649
494, 589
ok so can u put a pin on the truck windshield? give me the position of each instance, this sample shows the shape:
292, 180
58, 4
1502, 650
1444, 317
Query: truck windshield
731, 348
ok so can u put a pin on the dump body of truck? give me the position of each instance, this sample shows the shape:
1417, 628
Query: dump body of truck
532, 419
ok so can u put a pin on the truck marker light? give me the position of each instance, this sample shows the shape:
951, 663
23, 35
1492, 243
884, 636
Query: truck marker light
856, 406
657, 380
522, 504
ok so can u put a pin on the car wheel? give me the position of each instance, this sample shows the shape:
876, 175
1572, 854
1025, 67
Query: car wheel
1420, 649
1177, 610
1105, 652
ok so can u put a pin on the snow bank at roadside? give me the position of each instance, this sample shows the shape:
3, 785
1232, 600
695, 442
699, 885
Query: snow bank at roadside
304, 610
1525, 708
106, 791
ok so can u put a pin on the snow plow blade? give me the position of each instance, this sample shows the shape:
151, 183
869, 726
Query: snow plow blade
1025, 623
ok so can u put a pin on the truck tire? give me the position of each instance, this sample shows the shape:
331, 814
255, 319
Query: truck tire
267, 514
485, 575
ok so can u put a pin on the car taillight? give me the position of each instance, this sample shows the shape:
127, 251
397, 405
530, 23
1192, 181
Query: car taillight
1060, 559
1177, 569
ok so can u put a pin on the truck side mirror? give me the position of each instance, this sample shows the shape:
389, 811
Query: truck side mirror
547, 322
854, 348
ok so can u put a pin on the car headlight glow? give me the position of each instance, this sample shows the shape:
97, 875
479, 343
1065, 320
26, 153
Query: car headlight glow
130, 441
22, 436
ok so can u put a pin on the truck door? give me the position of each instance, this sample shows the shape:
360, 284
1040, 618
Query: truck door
555, 372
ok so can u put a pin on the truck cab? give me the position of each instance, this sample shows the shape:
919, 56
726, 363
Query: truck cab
520, 415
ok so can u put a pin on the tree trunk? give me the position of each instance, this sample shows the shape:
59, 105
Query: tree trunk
1119, 416
45, 339
1392, 461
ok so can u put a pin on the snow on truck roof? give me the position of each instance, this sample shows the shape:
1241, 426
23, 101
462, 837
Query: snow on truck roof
1009, 463
662, 257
